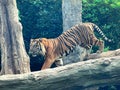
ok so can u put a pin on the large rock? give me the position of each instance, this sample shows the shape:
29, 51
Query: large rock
77, 55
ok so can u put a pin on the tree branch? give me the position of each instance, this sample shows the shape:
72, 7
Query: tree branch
99, 72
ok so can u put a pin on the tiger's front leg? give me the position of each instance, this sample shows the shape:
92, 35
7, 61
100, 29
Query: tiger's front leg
47, 64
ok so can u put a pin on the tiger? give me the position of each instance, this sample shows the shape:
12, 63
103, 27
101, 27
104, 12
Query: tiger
81, 34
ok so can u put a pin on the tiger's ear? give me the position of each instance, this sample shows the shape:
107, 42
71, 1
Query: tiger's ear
40, 39
31, 40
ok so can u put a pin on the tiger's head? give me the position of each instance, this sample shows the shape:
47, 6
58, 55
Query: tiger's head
37, 48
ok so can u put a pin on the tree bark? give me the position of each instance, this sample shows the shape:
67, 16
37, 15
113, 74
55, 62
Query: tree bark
91, 73
14, 57
71, 12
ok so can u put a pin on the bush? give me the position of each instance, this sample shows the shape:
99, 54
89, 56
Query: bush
106, 14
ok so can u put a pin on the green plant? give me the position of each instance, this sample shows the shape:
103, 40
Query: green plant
106, 49
106, 14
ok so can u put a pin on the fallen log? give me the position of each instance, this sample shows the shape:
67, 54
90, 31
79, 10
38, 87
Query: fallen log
104, 54
98, 72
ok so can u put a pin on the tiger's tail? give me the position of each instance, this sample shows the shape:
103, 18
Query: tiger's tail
101, 33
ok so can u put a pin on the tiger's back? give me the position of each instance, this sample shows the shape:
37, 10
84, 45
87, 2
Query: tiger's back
73, 37
81, 34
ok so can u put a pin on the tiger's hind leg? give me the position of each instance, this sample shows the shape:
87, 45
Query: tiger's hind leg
100, 44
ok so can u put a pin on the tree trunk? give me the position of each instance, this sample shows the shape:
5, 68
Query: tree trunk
0, 39
14, 57
71, 11
91, 73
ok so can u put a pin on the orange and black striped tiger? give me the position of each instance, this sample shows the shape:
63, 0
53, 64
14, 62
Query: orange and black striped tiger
80, 34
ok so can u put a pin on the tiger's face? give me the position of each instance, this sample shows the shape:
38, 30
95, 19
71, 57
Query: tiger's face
36, 48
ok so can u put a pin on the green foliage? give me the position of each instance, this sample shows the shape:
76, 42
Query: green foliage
106, 49
106, 14
40, 18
